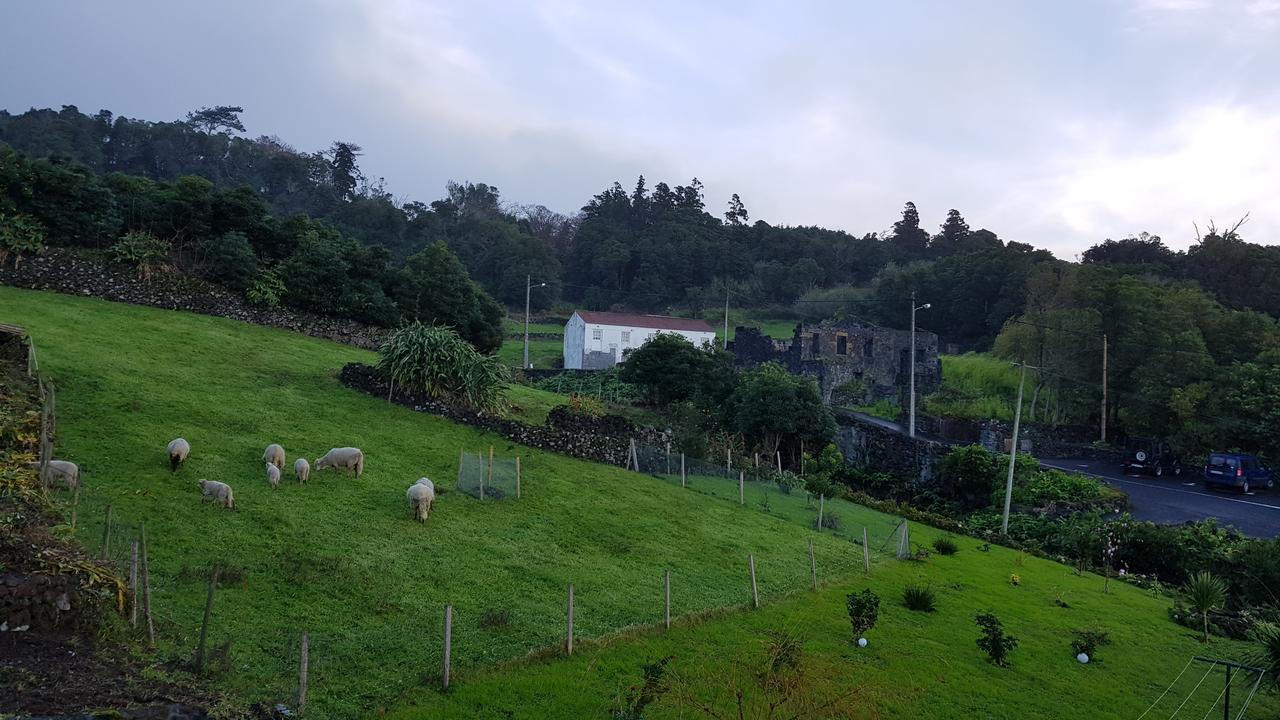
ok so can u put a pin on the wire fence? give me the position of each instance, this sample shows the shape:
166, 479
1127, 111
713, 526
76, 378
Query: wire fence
486, 477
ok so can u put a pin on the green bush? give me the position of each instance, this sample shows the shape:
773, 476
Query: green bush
1042, 487
265, 289
993, 641
229, 260
970, 474
142, 251
1267, 653
19, 235
1087, 641
920, 598
864, 610
945, 545
830, 521
438, 362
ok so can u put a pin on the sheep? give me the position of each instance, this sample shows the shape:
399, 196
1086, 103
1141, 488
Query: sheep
274, 454
302, 469
421, 495
178, 449
273, 475
346, 458
64, 470
219, 492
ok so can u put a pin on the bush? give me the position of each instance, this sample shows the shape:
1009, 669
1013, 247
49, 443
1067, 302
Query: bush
229, 261
970, 474
1267, 654
265, 289
142, 251
919, 598
1042, 487
945, 545
864, 610
830, 521
439, 363
1087, 641
994, 642
19, 235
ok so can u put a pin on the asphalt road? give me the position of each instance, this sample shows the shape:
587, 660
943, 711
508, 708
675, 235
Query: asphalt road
1177, 500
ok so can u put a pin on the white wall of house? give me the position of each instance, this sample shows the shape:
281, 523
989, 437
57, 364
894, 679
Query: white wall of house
582, 337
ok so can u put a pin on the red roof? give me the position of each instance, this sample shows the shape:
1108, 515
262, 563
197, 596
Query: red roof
657, 322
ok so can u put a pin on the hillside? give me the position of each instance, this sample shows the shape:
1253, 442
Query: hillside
340, 558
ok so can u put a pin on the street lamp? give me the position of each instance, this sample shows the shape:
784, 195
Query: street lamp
528, 286
911, 427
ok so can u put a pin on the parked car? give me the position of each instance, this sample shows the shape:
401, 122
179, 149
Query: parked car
1234, 470
1148, 456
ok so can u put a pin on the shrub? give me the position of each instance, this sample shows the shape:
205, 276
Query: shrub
1267, 654
437, 362
1087, 641
494, 618
1205, 593
142, 251
265, 289
830, 521
945, 545
919, 598
229, 261
994, 642
632, 704
19, 235
864, 610
970, 474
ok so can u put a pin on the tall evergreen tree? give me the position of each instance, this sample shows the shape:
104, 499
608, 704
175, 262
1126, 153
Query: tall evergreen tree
954, 232
909, 241
737, 212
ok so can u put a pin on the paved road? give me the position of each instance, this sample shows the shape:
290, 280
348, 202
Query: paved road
1177, 500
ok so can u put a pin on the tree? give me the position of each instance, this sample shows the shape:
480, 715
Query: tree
669, 369
909, 241
209, 120
229, 260
344, 169
433, 287
1206, 594
771, 407
737, 213
954, 233
1144, 252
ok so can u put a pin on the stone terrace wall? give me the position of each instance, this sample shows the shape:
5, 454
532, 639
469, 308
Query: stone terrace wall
604, 439
87, 274
867, 445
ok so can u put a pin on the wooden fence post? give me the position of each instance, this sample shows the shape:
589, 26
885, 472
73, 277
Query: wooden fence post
490, 473
683, 480
668, 457
106, 535
75, 505
866, 552
757, 458
779, 461
813, 566
741, 498
303, 662
146, 587
755, 594
133, 584
666, 599
517, 477
204, 626
728, 460
448, 646
822, 504
568, 640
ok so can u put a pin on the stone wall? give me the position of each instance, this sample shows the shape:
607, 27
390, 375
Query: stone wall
88, 274
870, 446
1048, 441
604, 439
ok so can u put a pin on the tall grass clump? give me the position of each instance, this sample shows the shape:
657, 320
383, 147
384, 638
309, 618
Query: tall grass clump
434, 360
919, 598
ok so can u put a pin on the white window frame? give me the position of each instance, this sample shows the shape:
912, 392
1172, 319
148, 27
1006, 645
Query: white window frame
626, 336
597, 334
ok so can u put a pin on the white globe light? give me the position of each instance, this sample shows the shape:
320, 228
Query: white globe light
1083, 658
862, 642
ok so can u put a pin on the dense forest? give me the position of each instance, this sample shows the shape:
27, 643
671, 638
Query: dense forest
1193, 344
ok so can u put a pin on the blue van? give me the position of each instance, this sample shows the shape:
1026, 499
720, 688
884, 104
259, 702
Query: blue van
1233, 470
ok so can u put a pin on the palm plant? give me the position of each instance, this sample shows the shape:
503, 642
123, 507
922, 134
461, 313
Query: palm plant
437, 362
1267, 655
1206, 593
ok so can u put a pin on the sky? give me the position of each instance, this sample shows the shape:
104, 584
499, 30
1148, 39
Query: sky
1059, 124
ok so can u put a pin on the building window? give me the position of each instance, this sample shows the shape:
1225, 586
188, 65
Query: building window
813, 343
866, 348
626, 336
842, 344
597, 334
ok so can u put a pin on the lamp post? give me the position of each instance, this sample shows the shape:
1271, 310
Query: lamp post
528, 286
911, 423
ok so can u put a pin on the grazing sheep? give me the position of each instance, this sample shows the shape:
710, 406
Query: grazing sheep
218, 492
63, 470
345, 458
273, 475
302, 469
274, 454
421, 495
179, 449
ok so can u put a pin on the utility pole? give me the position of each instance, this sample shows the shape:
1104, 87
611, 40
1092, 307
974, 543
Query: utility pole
1013, 454
1104, 387
528, 286
911, 423
725, 346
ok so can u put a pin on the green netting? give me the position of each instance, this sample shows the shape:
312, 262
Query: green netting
487, 477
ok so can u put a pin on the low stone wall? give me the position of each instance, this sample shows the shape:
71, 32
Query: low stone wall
35, 601
605, 439
867, 445
88, 274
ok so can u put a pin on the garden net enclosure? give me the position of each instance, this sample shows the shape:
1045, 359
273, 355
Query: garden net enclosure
486, 477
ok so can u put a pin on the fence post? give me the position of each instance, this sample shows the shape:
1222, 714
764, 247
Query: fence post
568, 640
822, 503
133, 584
448, 645
204, 626
728, 460
517, 477
755, 594
683, 481
666, 599
303, 663
813, 566
741, 497
146, 587
757, 458
75, 504
106, 535
866, 552
779, 461
668, 457
802, 457
490, 473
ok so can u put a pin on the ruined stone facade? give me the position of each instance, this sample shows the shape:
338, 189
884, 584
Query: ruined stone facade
854, 362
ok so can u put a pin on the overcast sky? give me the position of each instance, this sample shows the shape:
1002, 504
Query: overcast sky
1059, 126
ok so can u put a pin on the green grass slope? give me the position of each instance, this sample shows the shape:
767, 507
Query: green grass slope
340, 557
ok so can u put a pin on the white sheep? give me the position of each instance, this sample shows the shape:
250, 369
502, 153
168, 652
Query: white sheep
178, 449
421, 495
273, 475
63, 470
219, 492
345, 458
274, 454
302, 469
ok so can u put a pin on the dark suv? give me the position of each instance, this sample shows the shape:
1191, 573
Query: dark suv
1234, 470
1148, 456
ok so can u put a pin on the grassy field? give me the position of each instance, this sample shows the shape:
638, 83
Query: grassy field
340, 557
974, 385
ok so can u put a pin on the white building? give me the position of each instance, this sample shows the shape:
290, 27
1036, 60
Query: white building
597, 340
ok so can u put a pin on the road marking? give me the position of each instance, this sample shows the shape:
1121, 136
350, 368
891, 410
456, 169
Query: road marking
1162, 487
